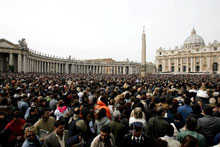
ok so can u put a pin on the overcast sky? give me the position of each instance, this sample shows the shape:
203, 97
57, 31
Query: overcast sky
90, 29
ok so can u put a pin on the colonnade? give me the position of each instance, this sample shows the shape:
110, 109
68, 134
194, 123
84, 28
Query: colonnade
41, 64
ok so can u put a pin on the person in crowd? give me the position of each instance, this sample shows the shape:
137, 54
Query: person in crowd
61, 110
33, 116
186, 109
15, 128
23, 103
101, 104
77, 126
117, 128
160, 143
169, 137
101, 120
190, 127
209, 125
104, 139
32, 139
59, 137
157, 126
136, 137
202, 94
189, 141
45, 125
138, 116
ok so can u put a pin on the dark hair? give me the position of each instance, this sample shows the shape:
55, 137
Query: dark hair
160, 143
59, 122
42, 111
76, 110
170, 130
191, 123
105, 128
160, 111
207, 110
187, 101
102, 112
189, 141
196, 108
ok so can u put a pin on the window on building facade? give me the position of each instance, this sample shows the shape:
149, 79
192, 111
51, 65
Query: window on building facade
197, 68
172, 69
184, 68
215, 67
215, 48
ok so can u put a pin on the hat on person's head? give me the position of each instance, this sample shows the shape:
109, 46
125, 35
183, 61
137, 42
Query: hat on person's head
137, 126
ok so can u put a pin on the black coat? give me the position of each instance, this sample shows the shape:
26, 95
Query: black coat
129, 141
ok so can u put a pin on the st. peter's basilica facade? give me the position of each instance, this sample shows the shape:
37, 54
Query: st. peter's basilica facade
193, 57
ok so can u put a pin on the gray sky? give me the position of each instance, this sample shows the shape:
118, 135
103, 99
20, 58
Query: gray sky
90, 29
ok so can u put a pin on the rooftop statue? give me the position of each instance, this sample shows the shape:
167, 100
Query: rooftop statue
23, 43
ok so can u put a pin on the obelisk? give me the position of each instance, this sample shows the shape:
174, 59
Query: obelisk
143, 54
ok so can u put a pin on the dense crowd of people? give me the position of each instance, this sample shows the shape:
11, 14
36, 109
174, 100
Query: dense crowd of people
79, 110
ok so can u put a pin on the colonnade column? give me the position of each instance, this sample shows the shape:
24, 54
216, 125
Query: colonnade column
19, 63
25, 64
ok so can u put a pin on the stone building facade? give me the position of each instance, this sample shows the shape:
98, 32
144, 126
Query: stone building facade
193, 57
19, 58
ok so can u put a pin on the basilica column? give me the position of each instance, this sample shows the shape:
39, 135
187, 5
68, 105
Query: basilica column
181, 64
200, 65
11, 59
209, 64
169, 66
163, 65
187, 65
176, 65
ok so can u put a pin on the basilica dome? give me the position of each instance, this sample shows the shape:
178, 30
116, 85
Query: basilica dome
193, 40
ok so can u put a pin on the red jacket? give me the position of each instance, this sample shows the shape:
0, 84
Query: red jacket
16, 129
101, 105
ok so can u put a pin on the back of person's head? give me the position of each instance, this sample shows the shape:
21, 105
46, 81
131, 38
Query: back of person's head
59, 122
189, 141
152, 105
169, 130
160, 111
191, 123
76, 110
60, 103
101, 113
105, 128
187, 101
196, 108
138, 113
116, 115
160, 143
207, 110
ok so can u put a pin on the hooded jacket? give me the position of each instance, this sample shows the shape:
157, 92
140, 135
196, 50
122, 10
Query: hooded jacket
101, 105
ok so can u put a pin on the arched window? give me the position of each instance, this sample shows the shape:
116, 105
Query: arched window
215, 67
160, 68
